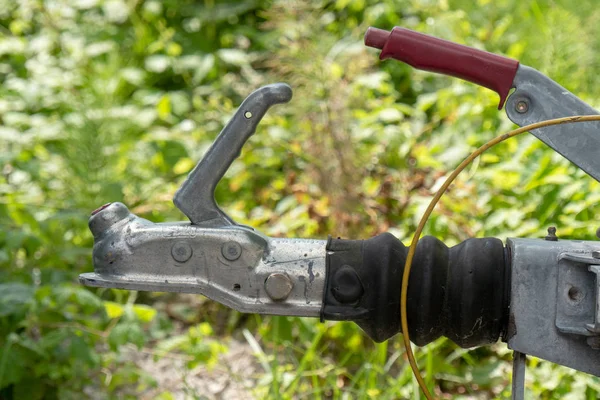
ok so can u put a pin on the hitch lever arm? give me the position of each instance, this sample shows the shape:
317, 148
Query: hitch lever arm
429, 53
195, 198
536, 97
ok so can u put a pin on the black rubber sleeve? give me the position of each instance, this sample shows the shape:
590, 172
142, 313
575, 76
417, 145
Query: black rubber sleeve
459, 292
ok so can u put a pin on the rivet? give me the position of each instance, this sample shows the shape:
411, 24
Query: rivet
231, 250
278, 286
181, 252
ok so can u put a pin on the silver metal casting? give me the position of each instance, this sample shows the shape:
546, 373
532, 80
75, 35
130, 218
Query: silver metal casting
232, 264
554, 299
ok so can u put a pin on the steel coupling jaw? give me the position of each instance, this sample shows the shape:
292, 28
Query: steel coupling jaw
211, 255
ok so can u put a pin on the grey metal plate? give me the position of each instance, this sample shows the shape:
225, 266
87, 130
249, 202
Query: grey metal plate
533, 309
546, 99
576, 295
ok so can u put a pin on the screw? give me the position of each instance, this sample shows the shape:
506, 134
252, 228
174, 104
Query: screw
552, 234
522, 106
181, 252
231, 250
278, 286
596, 254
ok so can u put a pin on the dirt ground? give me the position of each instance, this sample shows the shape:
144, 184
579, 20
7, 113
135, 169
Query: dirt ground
233, 377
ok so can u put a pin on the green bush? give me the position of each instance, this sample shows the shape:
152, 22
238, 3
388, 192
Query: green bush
114, 100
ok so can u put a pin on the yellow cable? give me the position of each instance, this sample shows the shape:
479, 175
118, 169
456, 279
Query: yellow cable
432, 204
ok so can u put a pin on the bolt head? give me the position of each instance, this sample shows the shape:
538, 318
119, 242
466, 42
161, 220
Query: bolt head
552, 234
278, 286
522, 106
231, 250
181, 252
596, 254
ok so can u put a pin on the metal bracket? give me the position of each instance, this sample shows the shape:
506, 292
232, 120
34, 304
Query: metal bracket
553, 299
578, 297
538, 98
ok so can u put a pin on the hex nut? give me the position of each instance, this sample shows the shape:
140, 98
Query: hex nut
231, 250
278, 286
181, 252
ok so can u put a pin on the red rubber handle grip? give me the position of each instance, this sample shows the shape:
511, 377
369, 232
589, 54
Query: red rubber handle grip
441, 56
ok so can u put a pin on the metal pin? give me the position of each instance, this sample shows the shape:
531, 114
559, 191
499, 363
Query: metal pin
518, 376
522, 107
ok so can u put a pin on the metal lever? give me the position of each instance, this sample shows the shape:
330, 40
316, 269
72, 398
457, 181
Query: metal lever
538, 98
443, 57
195, 198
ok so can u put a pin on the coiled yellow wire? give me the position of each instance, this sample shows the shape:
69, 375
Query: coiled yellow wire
426, 215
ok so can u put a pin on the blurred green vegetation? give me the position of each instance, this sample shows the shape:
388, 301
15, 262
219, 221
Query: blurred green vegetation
116, 100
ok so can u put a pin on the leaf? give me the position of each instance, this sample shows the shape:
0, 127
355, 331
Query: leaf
80, 351
178, 342
14, 298
134, 76
116, 11
183, 165
203, 68
13, 361
113, 310
99, 48
157, 63
78, 295
144, 313
124, 333
30, 389
233, 57
164, 107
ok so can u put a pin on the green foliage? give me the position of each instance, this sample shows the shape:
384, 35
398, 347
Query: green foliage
114, 100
